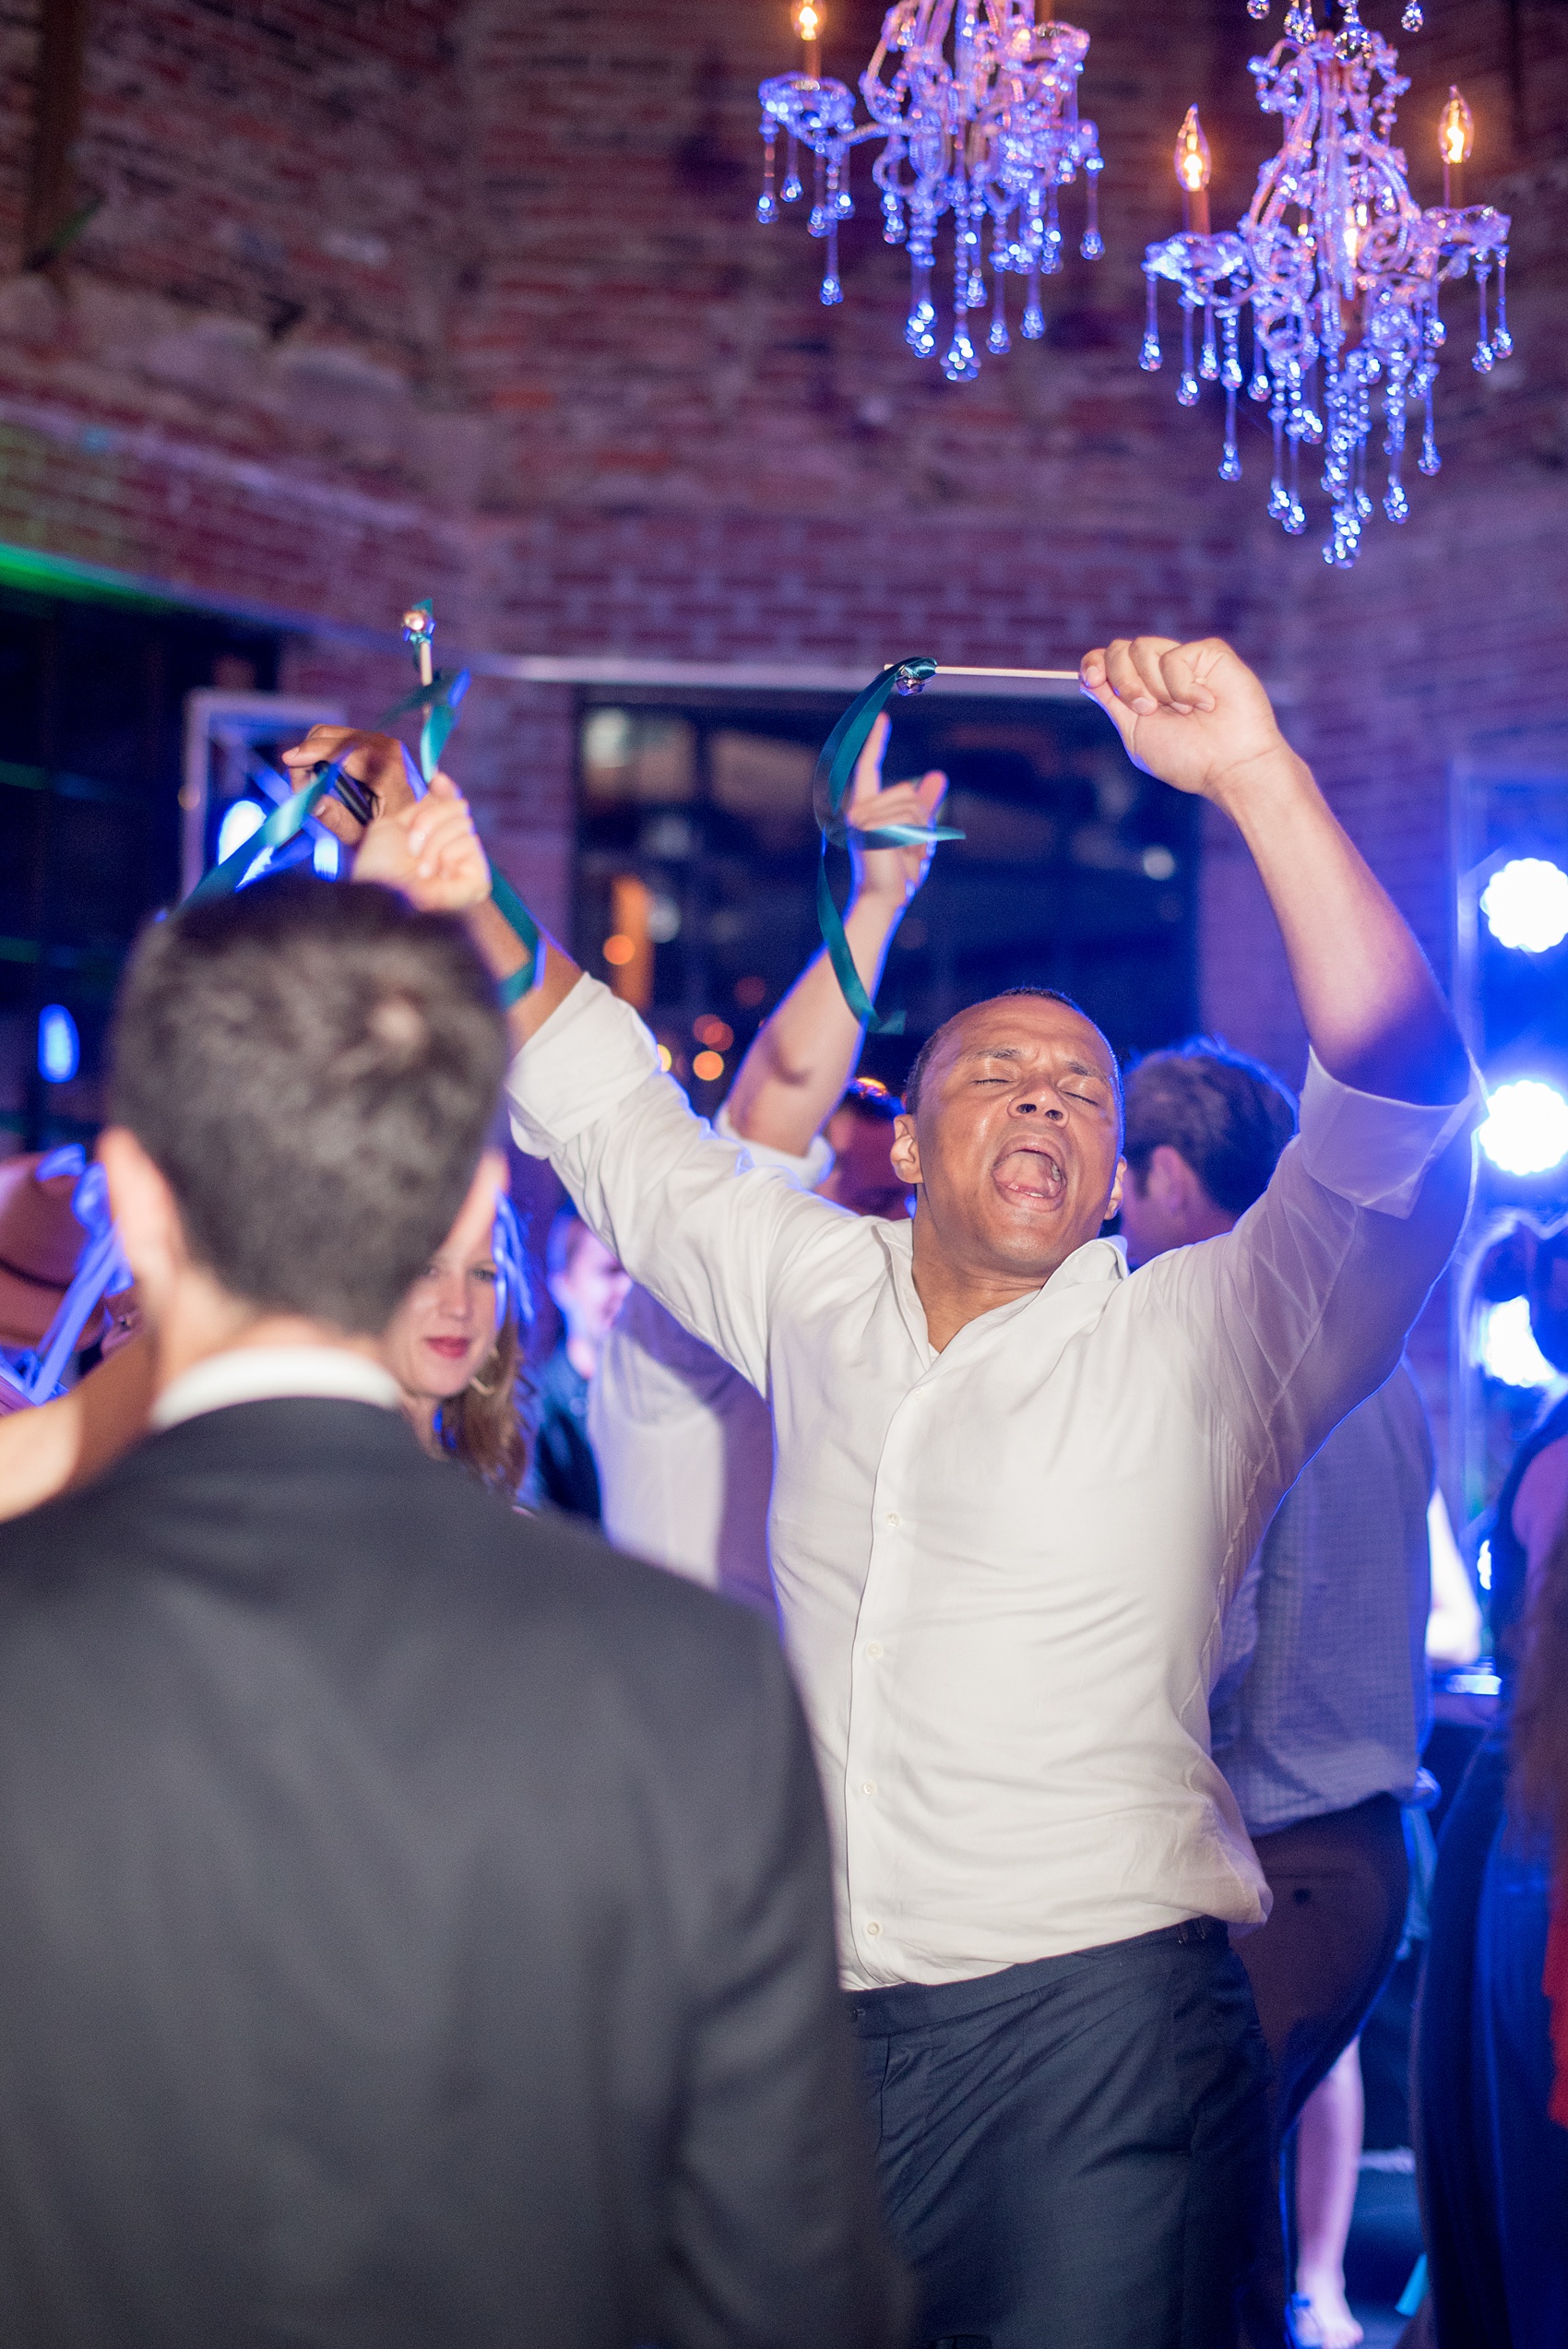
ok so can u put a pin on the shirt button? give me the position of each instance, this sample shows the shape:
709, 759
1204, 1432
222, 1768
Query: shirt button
868, 1786
873, 1929
873, 1648
893, 1518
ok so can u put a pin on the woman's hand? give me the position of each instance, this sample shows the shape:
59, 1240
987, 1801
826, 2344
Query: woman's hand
893, 875
379, 762
430, 851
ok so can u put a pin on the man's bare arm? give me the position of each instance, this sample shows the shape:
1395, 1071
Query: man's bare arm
61, 1444
803, 1056
1195, 716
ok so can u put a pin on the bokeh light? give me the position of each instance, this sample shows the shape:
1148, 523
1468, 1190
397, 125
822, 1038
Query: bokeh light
239, 823
324, 856
708, 1067
618, 949
1526, 905
59, 1046
1526, 1132
1506, 1347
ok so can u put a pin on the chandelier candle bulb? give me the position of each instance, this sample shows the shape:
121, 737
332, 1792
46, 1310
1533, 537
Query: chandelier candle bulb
1455, 140
808, 24
1193, 173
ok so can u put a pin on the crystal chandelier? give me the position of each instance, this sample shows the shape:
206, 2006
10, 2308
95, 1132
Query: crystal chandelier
989, 135
1341, 268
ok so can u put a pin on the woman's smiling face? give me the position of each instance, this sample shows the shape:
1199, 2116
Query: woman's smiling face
444, 1328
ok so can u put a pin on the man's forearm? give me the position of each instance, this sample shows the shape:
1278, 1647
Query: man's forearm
504, 954
1373, 1009
805, 1055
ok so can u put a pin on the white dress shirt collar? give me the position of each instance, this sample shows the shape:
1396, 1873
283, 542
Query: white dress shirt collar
261, 1373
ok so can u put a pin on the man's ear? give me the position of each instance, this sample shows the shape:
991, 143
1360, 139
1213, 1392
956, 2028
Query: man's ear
1113, 1203
1170, 1181
905, 1150
146, 1213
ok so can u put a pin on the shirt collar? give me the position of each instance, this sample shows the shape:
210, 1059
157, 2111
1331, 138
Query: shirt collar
261, 1373
1099, 1263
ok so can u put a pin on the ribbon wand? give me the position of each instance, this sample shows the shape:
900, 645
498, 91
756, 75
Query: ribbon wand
438, 697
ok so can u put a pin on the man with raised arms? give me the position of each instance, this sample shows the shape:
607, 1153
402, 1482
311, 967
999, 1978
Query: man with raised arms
1015, 1488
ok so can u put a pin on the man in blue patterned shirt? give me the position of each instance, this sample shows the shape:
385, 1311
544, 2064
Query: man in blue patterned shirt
1319, 1710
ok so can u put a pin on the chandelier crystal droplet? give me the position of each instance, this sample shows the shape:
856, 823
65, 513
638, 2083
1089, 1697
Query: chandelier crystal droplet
1340, 271
988, 134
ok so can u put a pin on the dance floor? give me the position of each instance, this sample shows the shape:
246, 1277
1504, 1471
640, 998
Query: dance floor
1386, 2242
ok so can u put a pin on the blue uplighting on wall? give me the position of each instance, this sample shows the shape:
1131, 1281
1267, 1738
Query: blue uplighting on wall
59, 1046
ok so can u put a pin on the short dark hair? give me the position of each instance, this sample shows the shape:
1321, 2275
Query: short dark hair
927, 1050
313, 1066
1227, 1115
868, 1097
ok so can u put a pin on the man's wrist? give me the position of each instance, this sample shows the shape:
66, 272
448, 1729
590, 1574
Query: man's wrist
877, 904
1270, 776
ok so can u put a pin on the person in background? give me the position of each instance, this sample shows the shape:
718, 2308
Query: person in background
417, 1926
1318, 1711
1330, 2132
1521, 2006
860, 1134
588, 1288
40, 1243
683, 1443
455, 1346
1473, 1998
1014, 1490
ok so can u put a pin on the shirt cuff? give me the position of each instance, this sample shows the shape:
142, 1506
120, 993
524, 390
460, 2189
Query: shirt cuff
1376, 1152
802, 1174
591, 1053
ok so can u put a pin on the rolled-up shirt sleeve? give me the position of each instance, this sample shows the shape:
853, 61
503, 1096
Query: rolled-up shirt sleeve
1302, 1310
686, 1212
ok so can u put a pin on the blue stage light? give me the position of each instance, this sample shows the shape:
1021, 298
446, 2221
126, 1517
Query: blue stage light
1526, 1132
241, 820
325, 857
1506, 1348
1526, 905
59, 1046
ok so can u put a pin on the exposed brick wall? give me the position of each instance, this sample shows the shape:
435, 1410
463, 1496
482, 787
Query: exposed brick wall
465, 297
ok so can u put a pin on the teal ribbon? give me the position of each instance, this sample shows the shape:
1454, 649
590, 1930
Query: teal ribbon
831, 786
439, 702
278, 830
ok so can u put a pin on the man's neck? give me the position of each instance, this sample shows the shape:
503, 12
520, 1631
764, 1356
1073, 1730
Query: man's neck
198, 1320
953, 1295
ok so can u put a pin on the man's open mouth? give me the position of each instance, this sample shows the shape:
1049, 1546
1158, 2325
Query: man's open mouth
1027, 1173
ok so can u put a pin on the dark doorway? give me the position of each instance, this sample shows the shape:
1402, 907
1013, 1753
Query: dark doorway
91, 704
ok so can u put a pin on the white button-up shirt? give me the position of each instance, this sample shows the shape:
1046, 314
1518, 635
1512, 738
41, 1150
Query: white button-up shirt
1002, 1569
684, 1444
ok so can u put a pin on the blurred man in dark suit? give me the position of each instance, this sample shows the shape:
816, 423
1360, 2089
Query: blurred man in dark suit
415, 1923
